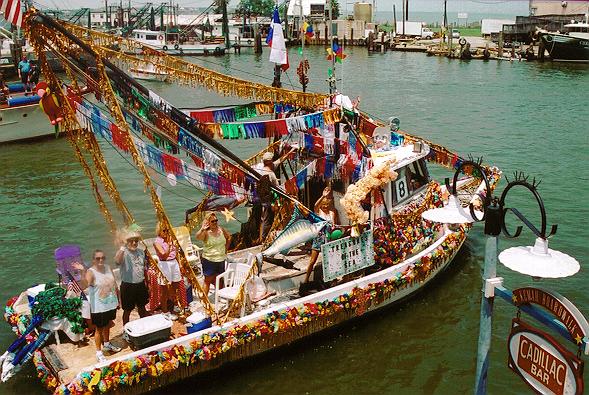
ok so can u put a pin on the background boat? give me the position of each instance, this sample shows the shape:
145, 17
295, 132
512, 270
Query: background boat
570, 47
148, 73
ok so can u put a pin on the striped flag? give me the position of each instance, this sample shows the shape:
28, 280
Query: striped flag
73, 285
12, 11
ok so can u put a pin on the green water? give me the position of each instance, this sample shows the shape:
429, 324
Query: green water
527, 117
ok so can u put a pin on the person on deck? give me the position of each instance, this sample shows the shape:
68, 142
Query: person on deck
104, 301
266, 170
34, 74
216, 242
24, 67
131, 259
169, 267
325, 208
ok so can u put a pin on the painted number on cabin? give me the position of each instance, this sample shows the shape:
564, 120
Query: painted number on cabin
401, 189
347, 255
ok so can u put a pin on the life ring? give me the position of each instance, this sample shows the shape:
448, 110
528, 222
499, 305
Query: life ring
548, 38
176, 46
160, 37
218, 51
249, 42
462, 41
165, 47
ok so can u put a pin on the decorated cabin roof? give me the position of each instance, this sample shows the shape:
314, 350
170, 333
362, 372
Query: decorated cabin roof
402, 154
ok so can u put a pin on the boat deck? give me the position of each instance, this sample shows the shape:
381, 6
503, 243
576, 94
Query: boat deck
68, 358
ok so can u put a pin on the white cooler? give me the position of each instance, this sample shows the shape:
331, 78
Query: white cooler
148, 331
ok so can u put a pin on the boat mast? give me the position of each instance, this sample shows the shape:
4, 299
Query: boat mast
332, 79
225, 24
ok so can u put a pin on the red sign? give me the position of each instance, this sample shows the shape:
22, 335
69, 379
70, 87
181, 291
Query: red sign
542, 362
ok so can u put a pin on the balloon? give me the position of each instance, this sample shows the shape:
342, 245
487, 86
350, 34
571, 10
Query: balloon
336, 234
171, 179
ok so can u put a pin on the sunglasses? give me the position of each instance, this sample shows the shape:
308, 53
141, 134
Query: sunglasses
214, 220
133, 240
100, 258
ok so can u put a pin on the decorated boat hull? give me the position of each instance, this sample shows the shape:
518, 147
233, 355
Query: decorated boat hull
281, 324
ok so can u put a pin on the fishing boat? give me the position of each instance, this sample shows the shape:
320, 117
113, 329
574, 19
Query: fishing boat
21, 118
172, 44
570, 46
380, 252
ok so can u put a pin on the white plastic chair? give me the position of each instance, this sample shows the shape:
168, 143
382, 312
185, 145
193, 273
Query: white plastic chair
233, 277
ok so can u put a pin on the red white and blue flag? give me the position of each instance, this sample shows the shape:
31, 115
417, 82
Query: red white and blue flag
275, 40
12, 11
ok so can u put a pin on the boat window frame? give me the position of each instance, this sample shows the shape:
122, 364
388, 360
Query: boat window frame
418, 171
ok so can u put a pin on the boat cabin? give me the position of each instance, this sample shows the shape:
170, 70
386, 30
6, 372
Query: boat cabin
149, 37
579, 30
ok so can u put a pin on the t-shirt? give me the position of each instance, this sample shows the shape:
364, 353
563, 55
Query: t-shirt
24, 66
167, 246
133, 266
263, 170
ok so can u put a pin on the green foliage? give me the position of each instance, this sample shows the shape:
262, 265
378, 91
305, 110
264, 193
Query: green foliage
255, 7
335, 13
385, 27
53, 303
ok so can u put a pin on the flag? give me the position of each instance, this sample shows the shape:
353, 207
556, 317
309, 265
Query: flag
337, 52
276, 42
12, 11
307, 29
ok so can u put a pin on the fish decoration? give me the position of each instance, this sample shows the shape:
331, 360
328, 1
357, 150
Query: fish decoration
296, 233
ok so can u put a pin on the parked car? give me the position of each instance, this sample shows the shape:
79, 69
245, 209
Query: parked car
455, 33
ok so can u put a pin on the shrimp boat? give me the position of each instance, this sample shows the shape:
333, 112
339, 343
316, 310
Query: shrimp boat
380, 253
21, 118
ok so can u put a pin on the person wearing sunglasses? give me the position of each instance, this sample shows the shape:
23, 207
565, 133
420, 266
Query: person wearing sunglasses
215, 244
104, 302
131, 260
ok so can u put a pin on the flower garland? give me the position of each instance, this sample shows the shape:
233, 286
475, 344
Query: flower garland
53, 303
213, 345
404, 233
43, 372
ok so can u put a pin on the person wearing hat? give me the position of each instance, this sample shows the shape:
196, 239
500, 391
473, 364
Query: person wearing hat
131, 260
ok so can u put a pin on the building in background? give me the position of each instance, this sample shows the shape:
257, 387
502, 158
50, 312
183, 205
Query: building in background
558, 7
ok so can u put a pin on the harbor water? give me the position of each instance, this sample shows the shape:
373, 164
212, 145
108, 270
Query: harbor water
519, 116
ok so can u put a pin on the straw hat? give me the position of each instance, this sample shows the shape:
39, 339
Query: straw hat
132, 235
267, 156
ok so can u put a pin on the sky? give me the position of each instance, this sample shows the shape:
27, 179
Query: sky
516, 7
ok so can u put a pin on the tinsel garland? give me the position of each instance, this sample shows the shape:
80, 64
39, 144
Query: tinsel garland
52, 303
208, 346
188, 73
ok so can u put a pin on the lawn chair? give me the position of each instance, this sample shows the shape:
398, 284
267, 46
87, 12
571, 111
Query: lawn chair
233, 277
65, 256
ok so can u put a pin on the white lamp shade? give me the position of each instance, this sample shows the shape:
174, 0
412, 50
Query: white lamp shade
539, 261
452, 213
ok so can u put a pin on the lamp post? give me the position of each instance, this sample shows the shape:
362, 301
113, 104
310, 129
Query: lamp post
538, 261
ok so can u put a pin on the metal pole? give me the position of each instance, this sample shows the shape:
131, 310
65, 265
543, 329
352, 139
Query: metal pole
225, 25
486, 318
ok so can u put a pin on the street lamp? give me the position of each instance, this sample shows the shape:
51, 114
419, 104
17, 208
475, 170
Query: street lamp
538, 261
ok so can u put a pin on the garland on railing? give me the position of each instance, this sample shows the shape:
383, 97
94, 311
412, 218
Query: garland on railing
132, 371
191, 74
233, 113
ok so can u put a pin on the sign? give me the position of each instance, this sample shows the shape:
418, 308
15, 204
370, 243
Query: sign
558, 305
347, 255
463, 15
542, 362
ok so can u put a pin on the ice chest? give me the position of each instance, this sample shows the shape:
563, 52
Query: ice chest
148, 331
197, 321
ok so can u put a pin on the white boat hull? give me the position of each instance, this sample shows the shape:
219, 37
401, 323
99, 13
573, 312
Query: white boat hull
24, 123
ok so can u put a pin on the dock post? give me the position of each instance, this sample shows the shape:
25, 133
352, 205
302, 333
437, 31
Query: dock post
500, 45
486, 318
258, 41
352, 36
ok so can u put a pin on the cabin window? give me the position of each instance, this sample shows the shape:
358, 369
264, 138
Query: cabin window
410, 180
151, 36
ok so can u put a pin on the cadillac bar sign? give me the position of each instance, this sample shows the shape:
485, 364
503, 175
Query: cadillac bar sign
543, 363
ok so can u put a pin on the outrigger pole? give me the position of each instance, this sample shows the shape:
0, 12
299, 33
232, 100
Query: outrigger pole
179, 117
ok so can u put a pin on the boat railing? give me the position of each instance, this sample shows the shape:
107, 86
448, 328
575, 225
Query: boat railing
328, 294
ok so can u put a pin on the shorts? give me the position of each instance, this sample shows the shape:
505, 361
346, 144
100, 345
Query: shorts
133, 295
102, 320
320, 239
171, 270
210, 268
